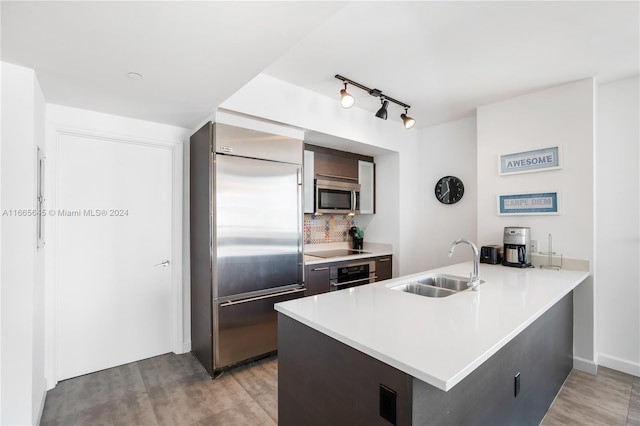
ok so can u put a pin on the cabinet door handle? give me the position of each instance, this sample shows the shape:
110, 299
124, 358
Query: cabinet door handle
320, 269
384, 260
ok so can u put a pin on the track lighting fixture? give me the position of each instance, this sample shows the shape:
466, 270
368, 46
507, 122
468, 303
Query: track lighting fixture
382, 112
408, 121
347, 101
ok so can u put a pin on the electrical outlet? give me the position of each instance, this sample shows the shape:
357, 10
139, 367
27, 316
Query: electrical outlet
534, 246
388, 404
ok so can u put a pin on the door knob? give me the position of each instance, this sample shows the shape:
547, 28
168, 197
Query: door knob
164, 263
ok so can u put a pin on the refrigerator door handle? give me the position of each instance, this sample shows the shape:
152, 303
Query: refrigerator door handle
299, 173
264, 296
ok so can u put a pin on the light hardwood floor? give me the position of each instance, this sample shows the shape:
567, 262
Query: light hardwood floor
176, 390
609, 398
167, 390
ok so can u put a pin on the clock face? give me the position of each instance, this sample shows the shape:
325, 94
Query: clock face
449, 190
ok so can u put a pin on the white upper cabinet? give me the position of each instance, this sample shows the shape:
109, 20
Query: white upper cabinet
307, 183
366, 179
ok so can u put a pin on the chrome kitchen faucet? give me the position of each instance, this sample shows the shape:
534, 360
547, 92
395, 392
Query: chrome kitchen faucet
474, 280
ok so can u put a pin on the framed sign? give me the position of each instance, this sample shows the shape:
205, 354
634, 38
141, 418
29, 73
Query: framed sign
538, 160
542, 203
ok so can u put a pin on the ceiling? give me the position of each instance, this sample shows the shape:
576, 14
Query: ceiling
443, 58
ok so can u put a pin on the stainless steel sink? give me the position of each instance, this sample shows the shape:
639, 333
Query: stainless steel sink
437, 285
425, 290
450, 282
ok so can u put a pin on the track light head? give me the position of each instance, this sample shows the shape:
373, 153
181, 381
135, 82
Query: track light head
346, 100
382, 112
408, 121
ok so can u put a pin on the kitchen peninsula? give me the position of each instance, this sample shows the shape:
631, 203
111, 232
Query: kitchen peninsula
377, 355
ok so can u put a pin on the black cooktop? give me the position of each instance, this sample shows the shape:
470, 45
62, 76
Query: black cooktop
326, 254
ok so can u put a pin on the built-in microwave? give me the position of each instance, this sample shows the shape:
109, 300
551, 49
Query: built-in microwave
337, 197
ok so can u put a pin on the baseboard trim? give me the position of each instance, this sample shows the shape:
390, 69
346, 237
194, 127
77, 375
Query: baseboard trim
585, 365
618, 364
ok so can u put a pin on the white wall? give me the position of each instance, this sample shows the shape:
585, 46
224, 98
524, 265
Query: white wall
447, 149
22, 362
383, 225
39, 331
1, 128
617, 266
560, 116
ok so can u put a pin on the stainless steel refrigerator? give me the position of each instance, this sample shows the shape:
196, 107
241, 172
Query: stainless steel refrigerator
246, 240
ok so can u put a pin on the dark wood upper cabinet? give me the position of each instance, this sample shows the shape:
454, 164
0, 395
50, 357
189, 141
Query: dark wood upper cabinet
335, 164
317, 279
330, 166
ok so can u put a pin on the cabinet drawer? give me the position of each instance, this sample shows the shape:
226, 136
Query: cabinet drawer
384, 268
317, 279
249, 327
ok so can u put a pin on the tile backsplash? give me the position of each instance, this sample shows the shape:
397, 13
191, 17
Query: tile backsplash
327, 228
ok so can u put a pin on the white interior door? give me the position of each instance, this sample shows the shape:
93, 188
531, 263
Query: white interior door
114, 217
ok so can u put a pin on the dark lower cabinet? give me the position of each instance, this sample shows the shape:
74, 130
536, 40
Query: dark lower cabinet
384, 268
322, 381
317, 279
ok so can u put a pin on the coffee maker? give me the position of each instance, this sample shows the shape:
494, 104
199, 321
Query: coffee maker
517, 246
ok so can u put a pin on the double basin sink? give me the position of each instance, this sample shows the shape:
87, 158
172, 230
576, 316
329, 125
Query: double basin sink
436, 285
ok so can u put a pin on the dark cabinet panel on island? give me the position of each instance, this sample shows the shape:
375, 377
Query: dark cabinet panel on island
343, 385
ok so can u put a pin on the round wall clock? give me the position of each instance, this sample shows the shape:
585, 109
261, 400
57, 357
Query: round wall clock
449, 190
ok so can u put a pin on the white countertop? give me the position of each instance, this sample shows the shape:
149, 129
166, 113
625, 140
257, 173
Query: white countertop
437, 340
